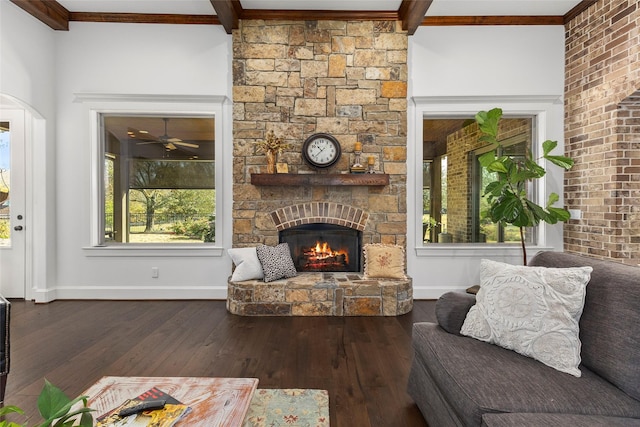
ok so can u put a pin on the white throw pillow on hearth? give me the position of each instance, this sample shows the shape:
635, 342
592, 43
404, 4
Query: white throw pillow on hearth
247, 264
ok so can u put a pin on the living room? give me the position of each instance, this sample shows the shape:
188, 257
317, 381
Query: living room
577, 77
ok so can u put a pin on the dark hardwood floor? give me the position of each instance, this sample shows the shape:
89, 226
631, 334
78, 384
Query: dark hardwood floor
362, 361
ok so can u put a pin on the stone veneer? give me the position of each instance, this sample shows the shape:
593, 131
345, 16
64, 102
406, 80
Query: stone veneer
297, 78
602, 130
321, 294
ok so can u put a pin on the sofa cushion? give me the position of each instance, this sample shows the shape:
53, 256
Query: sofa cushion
482, 378
451, 310
609, 324
546, 420
531, 310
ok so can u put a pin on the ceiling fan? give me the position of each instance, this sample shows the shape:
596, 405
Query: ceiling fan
169, 142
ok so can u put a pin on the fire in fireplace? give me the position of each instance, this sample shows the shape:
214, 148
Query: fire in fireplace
323, 247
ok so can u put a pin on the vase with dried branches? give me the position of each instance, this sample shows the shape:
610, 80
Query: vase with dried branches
271, 146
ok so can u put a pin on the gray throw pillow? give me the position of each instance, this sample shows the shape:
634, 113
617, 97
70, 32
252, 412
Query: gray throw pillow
276, 262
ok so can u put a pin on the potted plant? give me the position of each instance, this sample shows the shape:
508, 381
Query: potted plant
55, 408
507, 195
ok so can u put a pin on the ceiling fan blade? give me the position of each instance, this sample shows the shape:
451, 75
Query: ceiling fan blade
186, 144
170, 146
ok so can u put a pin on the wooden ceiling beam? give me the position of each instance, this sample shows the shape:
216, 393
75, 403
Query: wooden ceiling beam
492, 20
227, 12
578, 9
144, 18
411, 13
319, 15
50, 12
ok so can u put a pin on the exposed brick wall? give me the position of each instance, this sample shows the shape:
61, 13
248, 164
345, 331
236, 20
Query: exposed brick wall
297, 78
602, 130
461, 146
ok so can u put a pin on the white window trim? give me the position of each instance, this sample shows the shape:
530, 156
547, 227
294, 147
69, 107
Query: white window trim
98, 104
543, 108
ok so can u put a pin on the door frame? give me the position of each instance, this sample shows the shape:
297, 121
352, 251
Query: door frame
39, 192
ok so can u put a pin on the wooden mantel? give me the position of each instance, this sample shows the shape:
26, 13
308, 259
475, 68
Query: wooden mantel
284, 179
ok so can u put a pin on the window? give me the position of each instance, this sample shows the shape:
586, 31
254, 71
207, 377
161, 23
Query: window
159, 179
454, 205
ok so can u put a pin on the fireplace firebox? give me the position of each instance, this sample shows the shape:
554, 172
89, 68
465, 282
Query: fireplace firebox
324, 247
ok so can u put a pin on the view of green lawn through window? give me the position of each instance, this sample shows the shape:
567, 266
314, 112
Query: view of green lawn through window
159, 189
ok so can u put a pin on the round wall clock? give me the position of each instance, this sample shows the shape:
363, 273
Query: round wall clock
321, 150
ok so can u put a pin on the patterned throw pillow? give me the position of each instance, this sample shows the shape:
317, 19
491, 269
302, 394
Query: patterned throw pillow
247, 264
383, 261
276, 262
532, 310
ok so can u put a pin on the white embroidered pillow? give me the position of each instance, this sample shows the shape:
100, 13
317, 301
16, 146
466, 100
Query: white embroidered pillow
531, 310
247, 264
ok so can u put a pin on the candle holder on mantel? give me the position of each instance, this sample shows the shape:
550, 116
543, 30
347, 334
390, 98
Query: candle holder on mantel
370, 164
357, 167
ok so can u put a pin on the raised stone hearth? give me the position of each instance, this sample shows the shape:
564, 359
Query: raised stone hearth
321, 294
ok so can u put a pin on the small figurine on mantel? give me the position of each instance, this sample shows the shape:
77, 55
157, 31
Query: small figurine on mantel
357, 167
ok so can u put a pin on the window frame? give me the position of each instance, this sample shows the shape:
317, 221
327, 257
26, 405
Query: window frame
543, 110
196, 105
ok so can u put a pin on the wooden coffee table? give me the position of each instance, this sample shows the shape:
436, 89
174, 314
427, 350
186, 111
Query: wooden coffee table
214, 401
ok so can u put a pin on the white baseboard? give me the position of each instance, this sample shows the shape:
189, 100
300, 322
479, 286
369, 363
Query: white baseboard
133, 293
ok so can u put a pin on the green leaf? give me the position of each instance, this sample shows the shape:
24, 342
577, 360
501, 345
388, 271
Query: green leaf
553, 197
487, 158
10, 409
562, 161
560, 214
497, 166
494, 188
51, 401
548, 146
488, 121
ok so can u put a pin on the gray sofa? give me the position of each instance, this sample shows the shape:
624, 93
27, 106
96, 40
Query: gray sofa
460, 381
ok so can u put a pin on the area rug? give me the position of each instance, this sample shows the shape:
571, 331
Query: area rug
292, 407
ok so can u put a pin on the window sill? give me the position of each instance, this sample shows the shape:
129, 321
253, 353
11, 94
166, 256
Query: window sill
477, 250
137, 250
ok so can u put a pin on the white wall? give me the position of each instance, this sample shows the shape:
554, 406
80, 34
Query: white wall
133, 59
465, 69
27, 79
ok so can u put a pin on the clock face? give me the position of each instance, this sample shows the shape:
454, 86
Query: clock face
321, 150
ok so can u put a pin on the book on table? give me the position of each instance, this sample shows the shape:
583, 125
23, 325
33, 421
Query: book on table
166, 416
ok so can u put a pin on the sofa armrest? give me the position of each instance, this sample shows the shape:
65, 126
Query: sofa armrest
451, 310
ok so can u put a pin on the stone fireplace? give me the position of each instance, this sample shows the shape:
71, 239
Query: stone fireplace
347, 79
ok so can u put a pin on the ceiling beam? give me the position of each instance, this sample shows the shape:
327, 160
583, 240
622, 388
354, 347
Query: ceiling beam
578, 9
320, 15
411, 13
492, 20
144, 18
227, 13
50, 12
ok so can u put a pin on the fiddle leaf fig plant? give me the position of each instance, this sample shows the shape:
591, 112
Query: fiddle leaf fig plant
55, 408
507, 194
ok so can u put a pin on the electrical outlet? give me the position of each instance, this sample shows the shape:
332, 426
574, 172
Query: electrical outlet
155, 272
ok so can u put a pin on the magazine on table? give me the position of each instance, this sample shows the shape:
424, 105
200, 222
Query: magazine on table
172, 411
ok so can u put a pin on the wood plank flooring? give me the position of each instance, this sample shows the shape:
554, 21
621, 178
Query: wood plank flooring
362, 361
